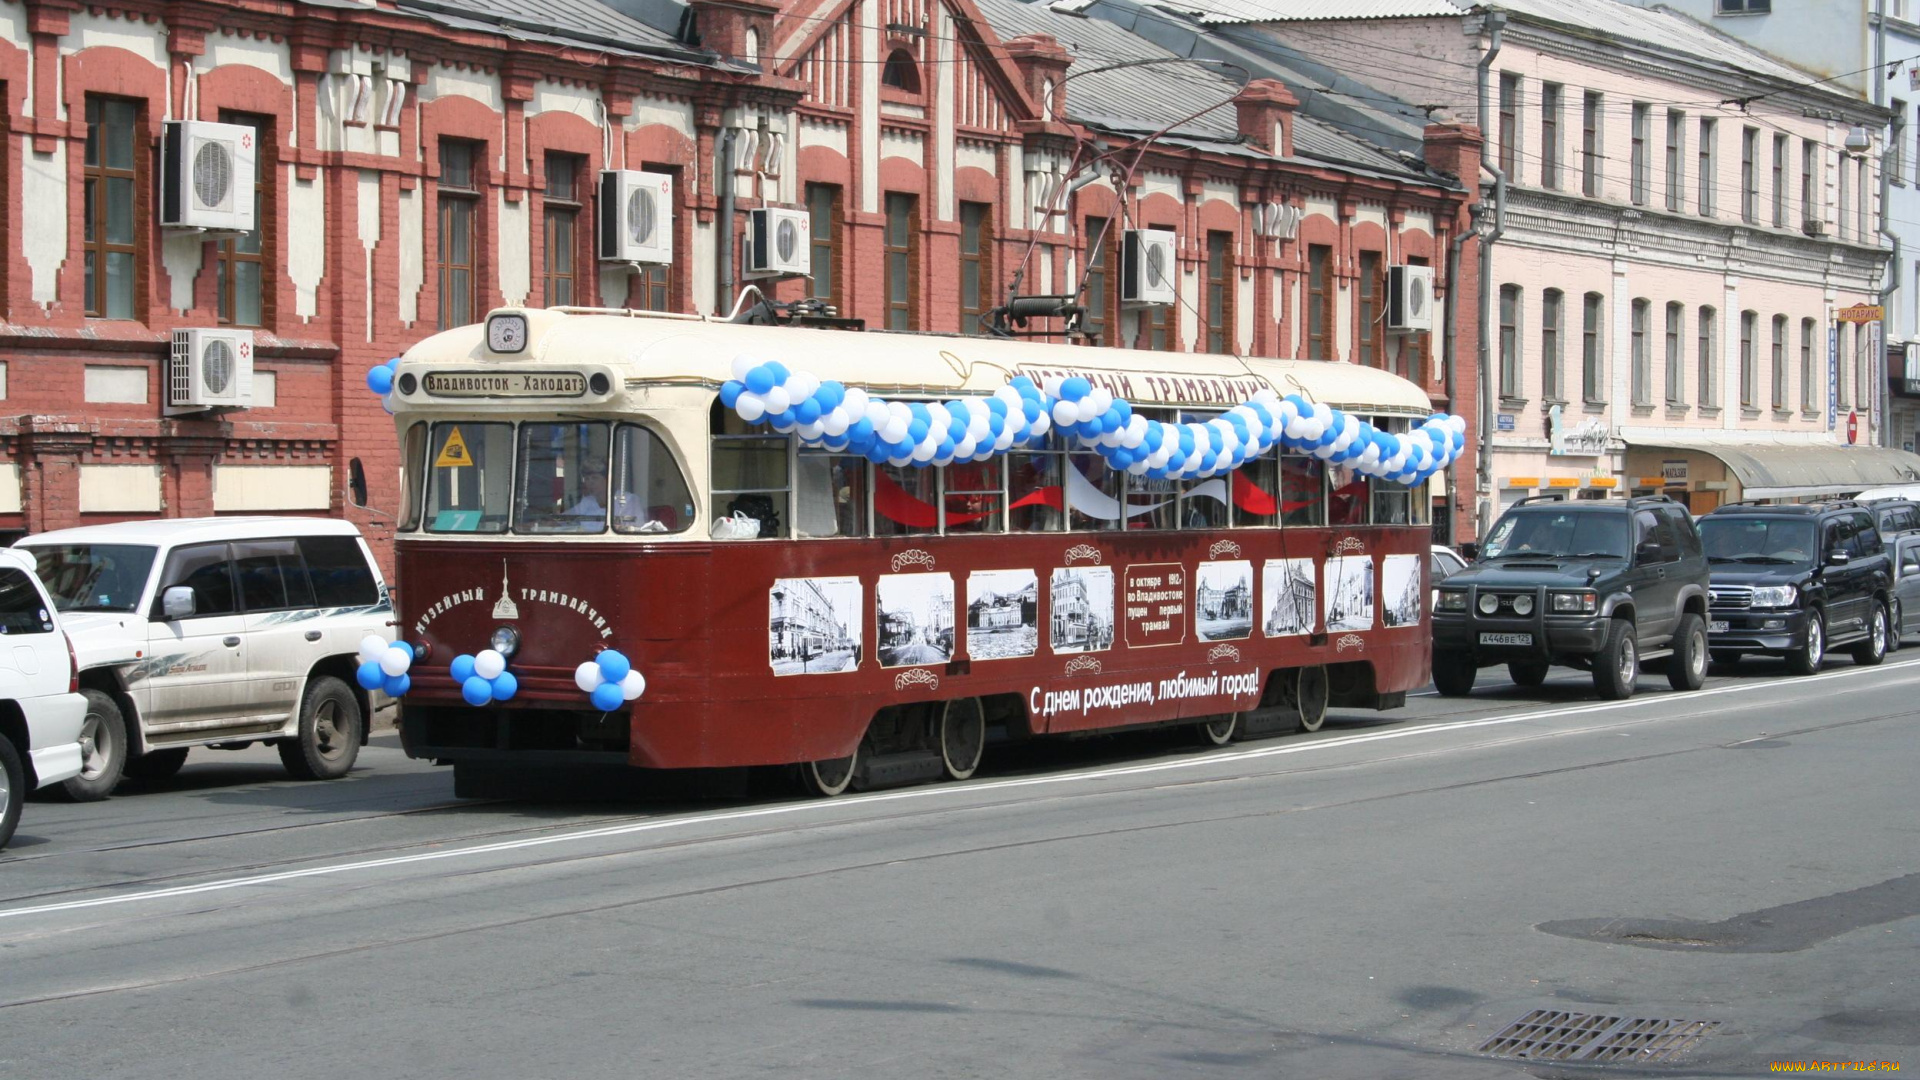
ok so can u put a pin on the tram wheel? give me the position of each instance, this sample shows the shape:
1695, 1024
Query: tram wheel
1310, 698
963, 737
831, 776
1217, 730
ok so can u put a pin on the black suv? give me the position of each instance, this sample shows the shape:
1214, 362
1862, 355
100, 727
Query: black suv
1601, 585
1894, 517
1795, 580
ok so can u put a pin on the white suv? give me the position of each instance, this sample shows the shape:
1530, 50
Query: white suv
41, 709
216, 632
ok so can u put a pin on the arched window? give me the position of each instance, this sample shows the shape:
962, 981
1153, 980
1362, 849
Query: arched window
900, 72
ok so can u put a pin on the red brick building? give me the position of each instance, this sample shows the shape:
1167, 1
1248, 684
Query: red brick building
422, 162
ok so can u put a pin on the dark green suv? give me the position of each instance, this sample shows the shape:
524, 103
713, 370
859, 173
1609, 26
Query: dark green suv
1603, 585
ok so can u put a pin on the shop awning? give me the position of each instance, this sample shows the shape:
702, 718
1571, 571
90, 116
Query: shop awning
1791, 471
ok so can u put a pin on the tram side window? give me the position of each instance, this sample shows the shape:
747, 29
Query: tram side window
1036, 499
1256, 491
830, 494
1349, 496
470, 477
903, 501
415, 457
1303, 492
562, 485
749, 472
1094, 493
974, 493
1203, 502
1392, 502
649, 491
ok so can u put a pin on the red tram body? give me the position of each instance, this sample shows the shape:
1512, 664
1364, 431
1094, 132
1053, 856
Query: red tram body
852, 652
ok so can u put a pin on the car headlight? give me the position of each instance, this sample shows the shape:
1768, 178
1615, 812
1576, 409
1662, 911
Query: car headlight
1523, 605
1450, 600
506, 641
1776, 596
1489, 603
1577, 602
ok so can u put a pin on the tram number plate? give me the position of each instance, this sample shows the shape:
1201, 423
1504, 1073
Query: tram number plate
1717, 626
1506, 639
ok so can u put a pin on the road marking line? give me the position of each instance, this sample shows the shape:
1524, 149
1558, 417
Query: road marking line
784, 809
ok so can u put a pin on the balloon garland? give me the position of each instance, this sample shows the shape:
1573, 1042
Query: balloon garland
483, 677
384, 665
609, 680
380, 381
831, 416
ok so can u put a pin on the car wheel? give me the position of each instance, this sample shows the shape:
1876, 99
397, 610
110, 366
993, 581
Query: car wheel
1807, 659
103, 750
1687, 667
1894, 615
329, 737
1617, 665
1453, 674
1873, 650
13, 789
157, 765
1528, 672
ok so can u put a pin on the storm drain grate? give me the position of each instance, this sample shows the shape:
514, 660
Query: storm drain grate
1551, 1035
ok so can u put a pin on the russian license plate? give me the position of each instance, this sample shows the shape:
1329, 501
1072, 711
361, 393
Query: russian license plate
1717, 626
1506, 639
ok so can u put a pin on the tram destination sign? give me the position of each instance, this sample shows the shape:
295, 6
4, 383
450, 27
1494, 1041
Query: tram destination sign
474, 384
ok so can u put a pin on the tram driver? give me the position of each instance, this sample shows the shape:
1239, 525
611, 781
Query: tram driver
628, 511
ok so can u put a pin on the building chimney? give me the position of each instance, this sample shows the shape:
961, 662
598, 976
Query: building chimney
1265, 110
1043, 64
740, 30
1453, 149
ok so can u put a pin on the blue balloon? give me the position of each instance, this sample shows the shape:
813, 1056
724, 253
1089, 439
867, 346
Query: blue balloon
462, 668
1120, 458
777, 371
959, 413
1154, 437
807, 411
1186, 440
877, 454
760, 380
784, 422
830, 395
614, 665
394, 363
1031, 408
945, 449
860, 429
505, 685
476, 690
1111, 421
1126, 410
369, 675
997, 422
607, 696
916, 431
380, 380
1075, 388
730, 392
996, 407
398, 684
833, 444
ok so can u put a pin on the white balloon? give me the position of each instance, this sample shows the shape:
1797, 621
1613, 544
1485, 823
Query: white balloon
372, 648
586, 676
1138, 468
811, 432
1065, 412
1004, 441
964, 449
1087, 409
855, 403
633, 685
923, 452
488, 664
743, 364
1102, 401
777, 400
878, 414
895, 429
899, 409
397, 660
835, 423
1323, 452
750, 407
978, 429
387, 404
900, 462
1040, 424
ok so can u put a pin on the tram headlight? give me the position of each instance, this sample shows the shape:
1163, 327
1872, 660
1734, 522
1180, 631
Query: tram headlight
506, 641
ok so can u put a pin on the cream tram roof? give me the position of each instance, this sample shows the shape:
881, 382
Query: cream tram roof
653, 350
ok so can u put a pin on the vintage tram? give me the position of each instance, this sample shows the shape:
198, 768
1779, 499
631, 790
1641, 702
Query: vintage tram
585, 485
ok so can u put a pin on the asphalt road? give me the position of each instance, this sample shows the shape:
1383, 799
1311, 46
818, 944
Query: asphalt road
1377, 900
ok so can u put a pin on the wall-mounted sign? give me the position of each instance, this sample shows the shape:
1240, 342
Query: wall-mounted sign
1586, 439
1833, 377
1673, 472
1504, 423
1861, 313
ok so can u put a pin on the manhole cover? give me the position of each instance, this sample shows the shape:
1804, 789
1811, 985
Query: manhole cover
1551, 1035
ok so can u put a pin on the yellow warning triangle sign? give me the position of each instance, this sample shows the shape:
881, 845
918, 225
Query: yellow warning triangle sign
454, 453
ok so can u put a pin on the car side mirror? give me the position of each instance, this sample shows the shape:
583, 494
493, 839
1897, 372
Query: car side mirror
1838, 558
1647, 552
177, 602
356, 484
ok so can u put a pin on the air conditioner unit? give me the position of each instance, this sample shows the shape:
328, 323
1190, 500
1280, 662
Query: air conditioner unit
210, 369
779, 242
1147, 266
1410, 298
207, 176
1813, 227
636, 217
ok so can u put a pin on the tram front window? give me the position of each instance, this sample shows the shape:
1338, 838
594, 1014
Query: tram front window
649, 492
562, 485
470, 477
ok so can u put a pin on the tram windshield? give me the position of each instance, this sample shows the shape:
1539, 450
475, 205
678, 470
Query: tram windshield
568, 477
470, 481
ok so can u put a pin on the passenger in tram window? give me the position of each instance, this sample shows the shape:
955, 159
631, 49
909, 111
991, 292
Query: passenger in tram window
830, 495
1151, 503
1303, 491
1349, 497
1390, 503
1093, 492
1036, 500
903, 501
974, 496
1256, 491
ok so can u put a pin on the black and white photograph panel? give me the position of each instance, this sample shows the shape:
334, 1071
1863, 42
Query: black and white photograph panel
1400, 588
1080, 609
1223, 600
813, 625
1349, 593
1287, 594
914, 619
1003, 614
